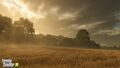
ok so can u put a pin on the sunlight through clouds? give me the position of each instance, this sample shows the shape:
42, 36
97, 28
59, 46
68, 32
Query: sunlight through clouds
19, 6
66, 17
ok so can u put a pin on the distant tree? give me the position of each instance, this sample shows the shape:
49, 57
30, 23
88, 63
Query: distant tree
49, 40
5, 24
82, 39
66, 42
83, 35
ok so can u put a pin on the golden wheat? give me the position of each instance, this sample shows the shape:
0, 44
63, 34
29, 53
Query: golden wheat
51, 57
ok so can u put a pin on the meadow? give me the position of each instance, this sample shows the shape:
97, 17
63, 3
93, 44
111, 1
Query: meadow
34, 56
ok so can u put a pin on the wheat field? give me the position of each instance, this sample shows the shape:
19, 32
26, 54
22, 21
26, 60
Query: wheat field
33, 56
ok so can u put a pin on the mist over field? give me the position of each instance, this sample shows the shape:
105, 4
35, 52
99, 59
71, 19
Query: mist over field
60, 57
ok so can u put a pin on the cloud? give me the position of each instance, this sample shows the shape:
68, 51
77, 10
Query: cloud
112, 32
20, 8
97, 16
109, 40
83, 26
66, 17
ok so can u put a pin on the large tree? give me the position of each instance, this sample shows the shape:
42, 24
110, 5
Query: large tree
83, 35
23, 30
5, 24
26, 25
82, 39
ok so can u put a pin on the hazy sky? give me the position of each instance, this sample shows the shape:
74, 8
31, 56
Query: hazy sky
65, 17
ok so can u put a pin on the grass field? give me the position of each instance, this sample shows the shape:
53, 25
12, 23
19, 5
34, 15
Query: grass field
53, 57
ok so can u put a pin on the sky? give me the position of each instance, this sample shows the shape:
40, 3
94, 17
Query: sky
65, 17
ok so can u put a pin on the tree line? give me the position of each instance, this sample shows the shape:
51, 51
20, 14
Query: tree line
22, 31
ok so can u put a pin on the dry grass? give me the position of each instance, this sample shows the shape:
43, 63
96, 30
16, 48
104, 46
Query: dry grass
49, 57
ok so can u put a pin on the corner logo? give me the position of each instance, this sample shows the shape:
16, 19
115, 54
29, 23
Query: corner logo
8, 63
